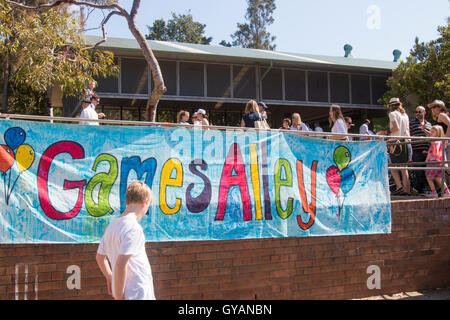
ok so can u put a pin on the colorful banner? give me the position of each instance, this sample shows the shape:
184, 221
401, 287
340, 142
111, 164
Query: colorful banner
63, 183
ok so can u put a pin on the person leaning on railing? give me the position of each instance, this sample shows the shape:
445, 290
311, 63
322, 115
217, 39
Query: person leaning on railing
338, 123
398, 153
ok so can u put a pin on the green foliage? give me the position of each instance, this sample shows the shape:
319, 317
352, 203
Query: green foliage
46, 49
181, 28
254, 34
424, 76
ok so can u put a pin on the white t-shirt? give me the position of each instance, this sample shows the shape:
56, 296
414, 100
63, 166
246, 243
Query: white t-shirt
89, 113
364, 129
402, 122
339, 126
304, 127
124, 236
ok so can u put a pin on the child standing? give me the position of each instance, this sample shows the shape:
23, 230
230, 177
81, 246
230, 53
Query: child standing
435, 155
121, 254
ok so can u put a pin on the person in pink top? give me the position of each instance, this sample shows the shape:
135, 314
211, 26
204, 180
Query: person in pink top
435, 155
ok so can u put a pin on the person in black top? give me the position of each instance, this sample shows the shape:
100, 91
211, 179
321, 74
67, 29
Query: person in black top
251, 115
417, 128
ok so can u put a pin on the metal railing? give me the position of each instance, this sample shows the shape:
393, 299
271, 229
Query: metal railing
390, 140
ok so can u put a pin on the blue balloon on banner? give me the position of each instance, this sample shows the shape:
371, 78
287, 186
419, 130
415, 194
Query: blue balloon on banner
14, 137
348, 179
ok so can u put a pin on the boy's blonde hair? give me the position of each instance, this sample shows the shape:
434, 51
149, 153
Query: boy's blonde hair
137, 193
439, 130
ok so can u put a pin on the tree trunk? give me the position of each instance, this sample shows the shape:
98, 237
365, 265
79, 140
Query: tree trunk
5, 84
159, 87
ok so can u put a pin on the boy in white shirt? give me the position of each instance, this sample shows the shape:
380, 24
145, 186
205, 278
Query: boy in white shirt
121, 254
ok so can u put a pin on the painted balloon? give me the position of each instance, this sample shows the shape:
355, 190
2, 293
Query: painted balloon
342, 157
6, 158
14, 137
24, 157
334, 179
348, 179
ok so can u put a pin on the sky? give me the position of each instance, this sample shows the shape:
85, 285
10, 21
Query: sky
374, 28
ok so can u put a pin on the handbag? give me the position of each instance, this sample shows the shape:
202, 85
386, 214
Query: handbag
261, 124
398, 153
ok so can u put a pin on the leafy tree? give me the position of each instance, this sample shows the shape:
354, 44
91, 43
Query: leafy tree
158, 31
180, 28
44, 49
111, 8
425, 75
254, 34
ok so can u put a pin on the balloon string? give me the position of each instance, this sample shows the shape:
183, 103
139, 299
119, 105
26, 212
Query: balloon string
4, 184
12, 189
9, 183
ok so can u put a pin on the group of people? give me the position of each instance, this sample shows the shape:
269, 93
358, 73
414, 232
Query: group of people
199, 118
401, 152
405, 150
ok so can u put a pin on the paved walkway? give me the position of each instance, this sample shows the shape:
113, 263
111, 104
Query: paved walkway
438, 294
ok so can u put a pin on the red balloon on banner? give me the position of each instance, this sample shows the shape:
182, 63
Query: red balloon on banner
6, 158
334, 179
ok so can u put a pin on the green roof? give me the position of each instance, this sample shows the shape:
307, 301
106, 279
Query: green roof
212, 52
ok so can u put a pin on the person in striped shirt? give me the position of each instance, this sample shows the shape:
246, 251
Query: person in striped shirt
420, 149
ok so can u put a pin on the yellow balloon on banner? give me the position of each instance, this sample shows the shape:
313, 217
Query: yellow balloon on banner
24, 157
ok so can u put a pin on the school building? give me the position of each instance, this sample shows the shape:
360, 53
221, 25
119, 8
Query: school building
221, 80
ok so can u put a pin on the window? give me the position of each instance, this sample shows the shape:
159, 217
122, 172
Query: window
166, 116
109, 84
191, 79
272, 86
218, 81
317, 86
339, 88
134, 76
217, 118
360, 89
169, 72
130, 114
295, 85
244, 82
111, 112
379, 88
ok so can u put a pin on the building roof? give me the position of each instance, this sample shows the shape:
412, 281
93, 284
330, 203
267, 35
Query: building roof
221, 53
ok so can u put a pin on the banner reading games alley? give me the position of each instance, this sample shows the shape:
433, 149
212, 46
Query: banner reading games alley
64, 183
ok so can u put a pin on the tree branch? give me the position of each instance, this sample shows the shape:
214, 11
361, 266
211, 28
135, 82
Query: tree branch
103, 25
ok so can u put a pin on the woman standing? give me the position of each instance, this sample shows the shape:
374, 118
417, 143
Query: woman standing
399, 126
183, 117
337, 122
251, 114
202, 118
297, 123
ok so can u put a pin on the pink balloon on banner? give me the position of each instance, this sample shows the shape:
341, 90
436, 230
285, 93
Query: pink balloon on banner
7, 158
334, 179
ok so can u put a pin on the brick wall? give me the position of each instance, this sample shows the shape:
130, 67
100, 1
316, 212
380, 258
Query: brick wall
414, 257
